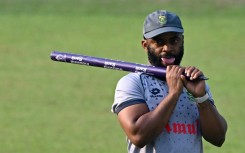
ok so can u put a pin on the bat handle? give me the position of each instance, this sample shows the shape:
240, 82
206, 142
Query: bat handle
201, 77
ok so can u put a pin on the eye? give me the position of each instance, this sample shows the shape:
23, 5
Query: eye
159, 41
174, 40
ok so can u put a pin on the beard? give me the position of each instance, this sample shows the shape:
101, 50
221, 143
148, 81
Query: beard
155, 60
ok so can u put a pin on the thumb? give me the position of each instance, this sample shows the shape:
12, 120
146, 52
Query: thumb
183, 78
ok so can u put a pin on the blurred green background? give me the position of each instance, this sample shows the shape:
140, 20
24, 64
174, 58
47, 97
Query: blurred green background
53, 107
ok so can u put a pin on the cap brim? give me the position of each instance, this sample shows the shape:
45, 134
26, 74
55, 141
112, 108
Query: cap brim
162, 30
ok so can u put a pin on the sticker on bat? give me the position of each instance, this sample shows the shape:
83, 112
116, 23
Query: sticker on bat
76, 58
61, 58
140, 69
110, 65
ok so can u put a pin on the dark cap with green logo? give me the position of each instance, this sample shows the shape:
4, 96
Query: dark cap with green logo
161, 21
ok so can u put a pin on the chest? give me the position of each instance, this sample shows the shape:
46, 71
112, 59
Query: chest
156, 90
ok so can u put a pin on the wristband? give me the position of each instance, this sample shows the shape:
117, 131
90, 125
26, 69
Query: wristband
202, 99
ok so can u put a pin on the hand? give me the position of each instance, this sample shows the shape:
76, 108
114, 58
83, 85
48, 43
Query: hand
173, 78
196, 87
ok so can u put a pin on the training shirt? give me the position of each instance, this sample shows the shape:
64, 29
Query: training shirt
181, 134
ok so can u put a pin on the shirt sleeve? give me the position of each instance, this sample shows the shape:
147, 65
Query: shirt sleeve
129, 91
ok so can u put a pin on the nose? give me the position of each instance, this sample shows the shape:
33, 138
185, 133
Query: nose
167, 47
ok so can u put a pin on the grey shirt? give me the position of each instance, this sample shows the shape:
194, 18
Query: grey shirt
181, 134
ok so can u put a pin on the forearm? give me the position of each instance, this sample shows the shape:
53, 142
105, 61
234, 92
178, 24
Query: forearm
213, 125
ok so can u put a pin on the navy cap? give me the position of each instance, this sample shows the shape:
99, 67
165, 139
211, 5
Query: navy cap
161, 21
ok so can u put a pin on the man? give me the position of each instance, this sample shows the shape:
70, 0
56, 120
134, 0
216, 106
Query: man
171, 114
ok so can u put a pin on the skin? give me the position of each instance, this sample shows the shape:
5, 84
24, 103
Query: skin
143, 126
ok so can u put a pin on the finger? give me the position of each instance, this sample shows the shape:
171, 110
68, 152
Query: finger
169, 67
174, 71
168, 70
196, 74
188, 70
181, 70
192, 72
177, 71
172, 68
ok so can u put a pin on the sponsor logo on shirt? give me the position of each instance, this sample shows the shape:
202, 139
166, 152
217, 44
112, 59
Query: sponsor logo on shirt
155, 93
182, 128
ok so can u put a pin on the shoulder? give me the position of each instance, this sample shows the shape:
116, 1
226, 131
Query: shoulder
130, 79
129, 91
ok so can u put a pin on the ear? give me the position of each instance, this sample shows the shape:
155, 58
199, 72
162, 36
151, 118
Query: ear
144, 44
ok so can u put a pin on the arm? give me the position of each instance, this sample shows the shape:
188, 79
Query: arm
141, 125
213, 125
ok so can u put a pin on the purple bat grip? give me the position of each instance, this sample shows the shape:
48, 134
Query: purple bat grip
110, 64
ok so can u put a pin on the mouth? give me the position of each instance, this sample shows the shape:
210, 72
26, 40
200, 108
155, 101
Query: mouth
168, 60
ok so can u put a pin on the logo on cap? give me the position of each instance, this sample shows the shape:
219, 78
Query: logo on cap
162, 19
